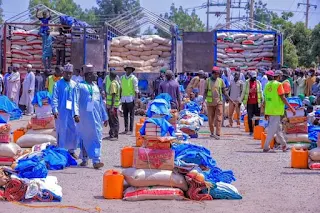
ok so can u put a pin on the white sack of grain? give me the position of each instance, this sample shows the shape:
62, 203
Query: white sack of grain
268, 37
222, 45
163, 48
31, 38
124, 40
221, 35
165, 54
123, 54
114, 63
117, 53
134, 53
266, 54
149, 57
115, 58
147, 53
115, 43
134, 58
137, 63
119, 49
240, 35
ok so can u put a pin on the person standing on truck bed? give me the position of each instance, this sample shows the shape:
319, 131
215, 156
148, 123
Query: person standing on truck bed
158, 81
129, 92
60, 46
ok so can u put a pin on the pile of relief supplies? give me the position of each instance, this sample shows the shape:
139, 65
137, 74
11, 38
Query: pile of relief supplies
296, 126
190, 121
27, 179
41, 127
168, 167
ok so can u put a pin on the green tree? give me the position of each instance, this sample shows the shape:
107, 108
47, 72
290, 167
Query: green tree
315, 39
184, 20
290, 57
1, 12
68, 7
149, 31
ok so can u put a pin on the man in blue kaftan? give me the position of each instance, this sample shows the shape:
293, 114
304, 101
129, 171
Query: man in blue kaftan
90, 114
62, 105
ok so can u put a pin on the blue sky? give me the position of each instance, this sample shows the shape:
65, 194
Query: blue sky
12, 7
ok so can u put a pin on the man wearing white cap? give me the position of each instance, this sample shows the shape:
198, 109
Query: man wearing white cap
28, 90
62, 105
13, 85
252, 98
90, 114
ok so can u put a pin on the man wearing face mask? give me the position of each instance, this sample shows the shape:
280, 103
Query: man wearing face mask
215, 88
252, 98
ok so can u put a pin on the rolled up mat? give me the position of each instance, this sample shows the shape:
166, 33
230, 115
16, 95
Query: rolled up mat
15, 190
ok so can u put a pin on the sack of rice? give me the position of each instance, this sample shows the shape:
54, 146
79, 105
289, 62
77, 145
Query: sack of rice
134, 53
268, 37
115, 58
147, 41
165, 54
153, 193
162, 48
146, 53
115, 43
145, 58
153, 177
9, 150
114, 63
156, 52
124, 40
240, 35
137, 63
51, 132
123, 54
29, 140
314, 154
119, 49
135, 58
136, 41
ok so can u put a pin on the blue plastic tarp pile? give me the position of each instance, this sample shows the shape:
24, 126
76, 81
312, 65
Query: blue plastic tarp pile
40, 96
10, 107
194, 154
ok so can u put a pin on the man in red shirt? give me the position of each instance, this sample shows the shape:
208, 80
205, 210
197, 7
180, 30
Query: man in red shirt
252, 98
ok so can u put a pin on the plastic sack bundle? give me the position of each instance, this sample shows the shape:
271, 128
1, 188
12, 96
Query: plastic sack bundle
153, 193
314, 154
40, 97
33, 167
198, 155
9, 150
224, 191
153, 177
296, 138
314, 165
10, 107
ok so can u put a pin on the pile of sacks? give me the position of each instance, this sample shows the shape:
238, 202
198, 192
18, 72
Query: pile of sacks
28, 180
152, 176
296, 126
8, 151
25, 47
41, 127
245, 50
148, 53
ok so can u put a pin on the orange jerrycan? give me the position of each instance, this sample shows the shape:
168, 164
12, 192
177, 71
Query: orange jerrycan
127, 157
257, 130
17, 134
139, 141
263, 140
138, 127
246, 124
299, 158
142, 120
113, 185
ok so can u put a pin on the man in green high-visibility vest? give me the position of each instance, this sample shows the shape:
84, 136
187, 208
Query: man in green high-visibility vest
275, 102
113, 102
129, 92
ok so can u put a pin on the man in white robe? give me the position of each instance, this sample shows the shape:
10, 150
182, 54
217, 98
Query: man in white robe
13, 85
28, 91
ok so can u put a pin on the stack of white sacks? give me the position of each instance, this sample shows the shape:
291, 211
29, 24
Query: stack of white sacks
25, 47
245, 50
147, 54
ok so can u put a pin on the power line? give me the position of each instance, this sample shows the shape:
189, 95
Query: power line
308, 5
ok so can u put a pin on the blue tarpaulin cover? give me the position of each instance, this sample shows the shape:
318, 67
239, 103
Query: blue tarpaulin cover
57, 158
10, 107
33, 167
162, 123
40, 96
190, 153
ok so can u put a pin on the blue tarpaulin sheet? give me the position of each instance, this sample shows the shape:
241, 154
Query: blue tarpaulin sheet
199, 155
40, 96
10, 107
162, 123
57, 158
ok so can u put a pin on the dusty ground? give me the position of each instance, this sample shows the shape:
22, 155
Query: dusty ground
265, 180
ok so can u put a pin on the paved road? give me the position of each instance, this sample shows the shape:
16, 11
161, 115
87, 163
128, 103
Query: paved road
265, 180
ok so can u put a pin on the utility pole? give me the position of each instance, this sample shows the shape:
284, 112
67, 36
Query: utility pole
308, 5
228, 13
208, 13
251, 13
